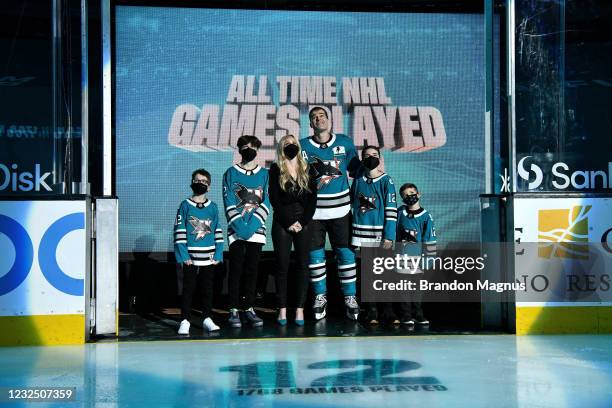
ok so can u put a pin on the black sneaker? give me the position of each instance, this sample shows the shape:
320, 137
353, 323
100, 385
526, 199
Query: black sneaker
253, 318
320, 306
234, 318
390, 318
372, 316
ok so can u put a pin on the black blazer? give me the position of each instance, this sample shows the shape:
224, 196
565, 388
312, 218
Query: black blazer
291, 205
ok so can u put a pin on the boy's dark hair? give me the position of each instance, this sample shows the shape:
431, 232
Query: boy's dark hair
370, 147
316, 108
246, 139
407, 185
201, 172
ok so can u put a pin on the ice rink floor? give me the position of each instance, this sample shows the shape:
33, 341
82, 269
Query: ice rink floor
418, 371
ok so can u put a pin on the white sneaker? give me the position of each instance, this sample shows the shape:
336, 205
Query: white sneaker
352, 307
184, 329
320, 306
422, 321
210, 325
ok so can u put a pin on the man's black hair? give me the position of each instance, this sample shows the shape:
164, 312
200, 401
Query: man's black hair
318, 108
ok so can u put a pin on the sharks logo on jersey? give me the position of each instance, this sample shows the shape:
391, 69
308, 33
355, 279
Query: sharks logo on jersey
366, 203
201, 228
250, 198
410, 235
325, 170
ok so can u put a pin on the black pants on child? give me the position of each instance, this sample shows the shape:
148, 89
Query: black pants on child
384, 310
202, 278
412, 308
283, 240
243, 266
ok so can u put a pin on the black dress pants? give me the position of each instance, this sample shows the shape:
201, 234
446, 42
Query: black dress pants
283, 240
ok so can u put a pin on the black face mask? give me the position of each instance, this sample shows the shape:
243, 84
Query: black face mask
248, 154
291, 150
199, 188
370, 162
411, 200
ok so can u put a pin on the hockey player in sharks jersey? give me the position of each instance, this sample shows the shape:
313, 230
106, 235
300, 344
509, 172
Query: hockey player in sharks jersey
332, 157
245, 196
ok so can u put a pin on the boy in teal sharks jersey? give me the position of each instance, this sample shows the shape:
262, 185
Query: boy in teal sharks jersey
416, 235
247, 205
198, 247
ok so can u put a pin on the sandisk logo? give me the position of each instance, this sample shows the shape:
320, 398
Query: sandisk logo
14, 180
560, 176
525, 174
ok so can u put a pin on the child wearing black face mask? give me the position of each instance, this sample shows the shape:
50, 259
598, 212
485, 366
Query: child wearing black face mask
198, 247
417, 235
374, 209
245, 197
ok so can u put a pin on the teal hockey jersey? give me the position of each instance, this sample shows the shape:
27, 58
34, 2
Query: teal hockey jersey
197, 235
374, 210
416, 237
330, 164
247, 205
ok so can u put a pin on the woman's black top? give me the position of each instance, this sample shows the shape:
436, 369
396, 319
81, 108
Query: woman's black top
294, 204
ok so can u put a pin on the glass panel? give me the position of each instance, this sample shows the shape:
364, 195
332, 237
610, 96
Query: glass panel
588, 91
39, 154
563, 84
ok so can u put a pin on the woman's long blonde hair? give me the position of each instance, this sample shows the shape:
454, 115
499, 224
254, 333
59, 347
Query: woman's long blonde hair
302, 168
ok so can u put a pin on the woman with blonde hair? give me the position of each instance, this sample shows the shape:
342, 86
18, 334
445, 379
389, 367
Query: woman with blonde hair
293, 195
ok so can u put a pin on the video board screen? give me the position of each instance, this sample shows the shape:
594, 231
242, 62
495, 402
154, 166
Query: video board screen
190, 81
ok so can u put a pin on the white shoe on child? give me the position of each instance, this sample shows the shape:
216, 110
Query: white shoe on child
184, 328
210, 325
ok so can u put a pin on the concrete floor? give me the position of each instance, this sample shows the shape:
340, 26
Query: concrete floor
417, 371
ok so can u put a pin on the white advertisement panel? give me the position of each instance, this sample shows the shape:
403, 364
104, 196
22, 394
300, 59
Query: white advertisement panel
564, 245
42, 257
